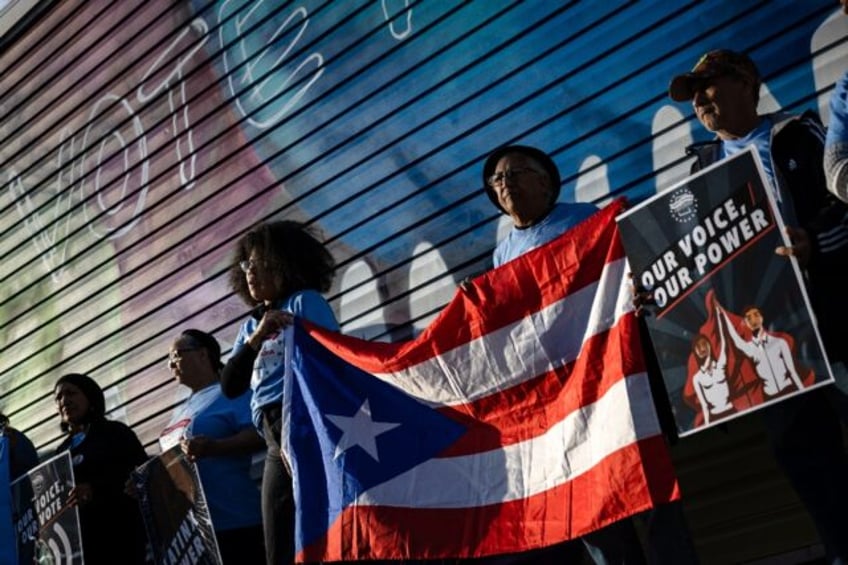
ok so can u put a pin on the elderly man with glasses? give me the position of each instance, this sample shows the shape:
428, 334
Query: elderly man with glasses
524, 183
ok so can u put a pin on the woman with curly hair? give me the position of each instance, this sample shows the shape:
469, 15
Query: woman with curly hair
280, 269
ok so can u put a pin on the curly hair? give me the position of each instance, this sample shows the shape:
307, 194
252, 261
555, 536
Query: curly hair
293, 255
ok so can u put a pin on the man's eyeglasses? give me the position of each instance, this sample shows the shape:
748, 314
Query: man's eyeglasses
500, 178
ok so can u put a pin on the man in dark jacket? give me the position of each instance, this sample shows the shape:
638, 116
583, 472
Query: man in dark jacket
804, 432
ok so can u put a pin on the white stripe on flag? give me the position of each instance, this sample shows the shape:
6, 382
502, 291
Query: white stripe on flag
547, 339
583, 439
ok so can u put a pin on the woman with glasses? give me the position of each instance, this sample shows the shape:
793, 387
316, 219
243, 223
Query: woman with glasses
218, 435
280, 269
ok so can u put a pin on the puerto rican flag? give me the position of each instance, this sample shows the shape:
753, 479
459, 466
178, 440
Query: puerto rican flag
521, 417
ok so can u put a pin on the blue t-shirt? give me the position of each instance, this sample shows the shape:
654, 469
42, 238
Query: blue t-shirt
836, 142
232, 495
268, 370
760, 138
837, 129
521, 240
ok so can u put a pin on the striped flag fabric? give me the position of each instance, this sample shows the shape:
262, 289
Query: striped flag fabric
520, 418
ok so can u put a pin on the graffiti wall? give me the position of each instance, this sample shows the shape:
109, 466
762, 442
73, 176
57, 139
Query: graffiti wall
140, 139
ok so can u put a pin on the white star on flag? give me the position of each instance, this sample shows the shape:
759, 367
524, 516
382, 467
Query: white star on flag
360, 430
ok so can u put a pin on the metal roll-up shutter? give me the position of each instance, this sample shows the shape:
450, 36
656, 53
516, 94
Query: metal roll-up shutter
139, 139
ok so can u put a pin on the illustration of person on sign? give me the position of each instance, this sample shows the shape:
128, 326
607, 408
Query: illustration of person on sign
770, 353
710, 379
737, 364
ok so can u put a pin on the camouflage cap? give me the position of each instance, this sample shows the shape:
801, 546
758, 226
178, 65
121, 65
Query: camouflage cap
716, 63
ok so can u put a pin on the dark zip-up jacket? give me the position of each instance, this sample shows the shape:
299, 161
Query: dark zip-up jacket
797, 149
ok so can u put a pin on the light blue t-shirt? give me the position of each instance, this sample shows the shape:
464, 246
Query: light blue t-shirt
837, 128
760, 138
268, 369
521, 240
836, 142
232, 495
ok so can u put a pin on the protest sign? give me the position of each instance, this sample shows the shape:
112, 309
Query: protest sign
47, 529
732, 327
174, 509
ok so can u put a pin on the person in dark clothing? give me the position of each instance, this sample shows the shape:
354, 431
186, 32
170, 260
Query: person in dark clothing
804, 432
22, 453
103, 453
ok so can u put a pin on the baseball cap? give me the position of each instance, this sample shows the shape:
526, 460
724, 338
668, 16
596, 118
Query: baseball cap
719, 62
536, 154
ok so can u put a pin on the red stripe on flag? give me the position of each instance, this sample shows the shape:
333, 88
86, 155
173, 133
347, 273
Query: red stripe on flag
615, 488
520, 288
501, 418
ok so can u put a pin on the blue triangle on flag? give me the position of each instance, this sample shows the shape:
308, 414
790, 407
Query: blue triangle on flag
327, 395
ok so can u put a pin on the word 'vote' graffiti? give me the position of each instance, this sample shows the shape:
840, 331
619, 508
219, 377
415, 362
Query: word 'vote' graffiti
104, 173
114, 133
